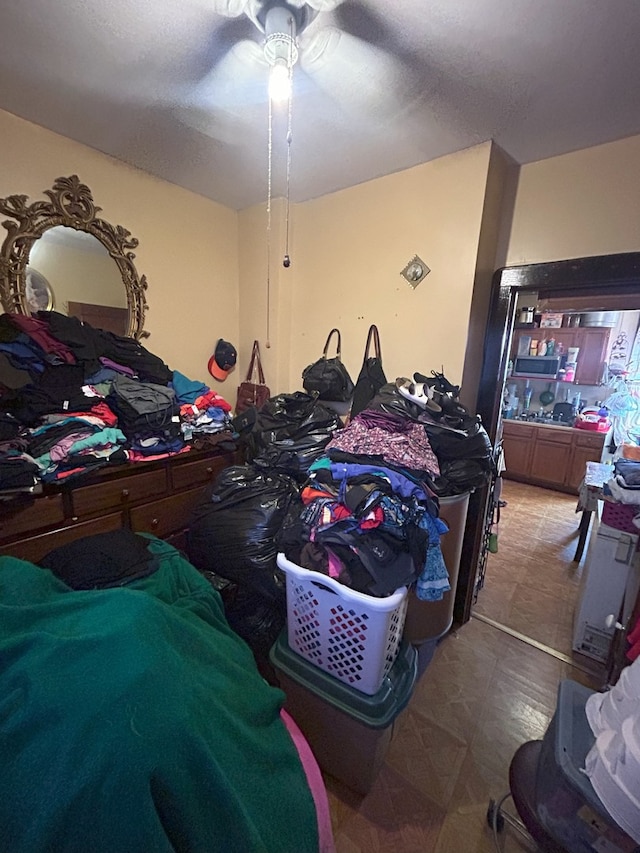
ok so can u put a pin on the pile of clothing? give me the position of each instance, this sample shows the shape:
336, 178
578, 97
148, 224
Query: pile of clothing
74, 398
371, 510
624, 486
370, 519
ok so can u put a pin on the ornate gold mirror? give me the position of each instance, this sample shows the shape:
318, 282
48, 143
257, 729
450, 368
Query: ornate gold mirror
59, 255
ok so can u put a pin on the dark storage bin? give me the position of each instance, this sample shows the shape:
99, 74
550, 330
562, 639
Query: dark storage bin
566, 804
348, 731
430, 620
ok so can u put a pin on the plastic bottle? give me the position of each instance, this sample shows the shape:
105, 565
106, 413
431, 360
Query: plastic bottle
542, 347
551, 346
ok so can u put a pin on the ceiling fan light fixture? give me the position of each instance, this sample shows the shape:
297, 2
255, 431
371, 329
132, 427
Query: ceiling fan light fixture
279, 81
280, 47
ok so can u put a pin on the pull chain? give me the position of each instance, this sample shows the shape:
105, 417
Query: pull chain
269, 165
286, 262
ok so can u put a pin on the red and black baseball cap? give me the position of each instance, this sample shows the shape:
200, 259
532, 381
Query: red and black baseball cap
223, 360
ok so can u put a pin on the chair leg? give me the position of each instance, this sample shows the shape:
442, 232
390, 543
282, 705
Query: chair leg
583, 529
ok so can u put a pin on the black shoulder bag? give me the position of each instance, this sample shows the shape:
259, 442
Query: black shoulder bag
328, 377
371, 378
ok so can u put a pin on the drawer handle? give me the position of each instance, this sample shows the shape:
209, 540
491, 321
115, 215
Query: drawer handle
209, 470
155, 522
125, 493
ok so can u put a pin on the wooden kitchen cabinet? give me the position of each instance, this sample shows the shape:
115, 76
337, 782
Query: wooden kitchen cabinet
593, 344
587, 448
517, 444
550, 456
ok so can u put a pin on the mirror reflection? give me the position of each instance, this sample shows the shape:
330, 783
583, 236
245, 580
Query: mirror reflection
73, 272
59, 254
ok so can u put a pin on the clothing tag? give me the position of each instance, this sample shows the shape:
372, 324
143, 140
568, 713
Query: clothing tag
65, 405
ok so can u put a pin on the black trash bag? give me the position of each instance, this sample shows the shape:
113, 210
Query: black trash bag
232, 531
389, 399
465, 456
290, 432
460, 475
259, 621
293, 456
470, 442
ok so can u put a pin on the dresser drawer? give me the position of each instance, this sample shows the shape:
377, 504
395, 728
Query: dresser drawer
35, 547
191, 474
165, 516
113, 494
44, 512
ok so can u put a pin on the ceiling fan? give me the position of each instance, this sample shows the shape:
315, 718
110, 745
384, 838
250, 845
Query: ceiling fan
338, 60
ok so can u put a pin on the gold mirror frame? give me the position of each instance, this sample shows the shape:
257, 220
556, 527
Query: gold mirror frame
71, 204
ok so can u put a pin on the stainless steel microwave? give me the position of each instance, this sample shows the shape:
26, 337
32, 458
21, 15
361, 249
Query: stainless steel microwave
544, 366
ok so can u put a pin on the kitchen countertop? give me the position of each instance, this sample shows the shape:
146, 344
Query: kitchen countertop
542, 423
555, 425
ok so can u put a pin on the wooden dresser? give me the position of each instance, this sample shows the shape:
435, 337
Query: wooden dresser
152, 497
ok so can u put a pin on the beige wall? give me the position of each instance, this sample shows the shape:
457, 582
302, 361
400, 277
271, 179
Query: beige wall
347, 251
188, 245
207, 265
577, 205
265, 294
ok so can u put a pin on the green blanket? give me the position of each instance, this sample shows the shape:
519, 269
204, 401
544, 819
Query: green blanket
134, 719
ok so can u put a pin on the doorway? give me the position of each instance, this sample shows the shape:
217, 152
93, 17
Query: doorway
607, 281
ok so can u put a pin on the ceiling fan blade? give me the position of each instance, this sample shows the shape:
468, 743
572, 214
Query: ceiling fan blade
322, 5
358, 76
230, 95
230, 8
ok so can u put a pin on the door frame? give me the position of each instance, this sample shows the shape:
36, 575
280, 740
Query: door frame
617, 274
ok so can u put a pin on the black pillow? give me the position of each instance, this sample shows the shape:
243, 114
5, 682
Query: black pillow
101, 561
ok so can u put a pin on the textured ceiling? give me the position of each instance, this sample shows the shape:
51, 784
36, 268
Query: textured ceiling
160, 85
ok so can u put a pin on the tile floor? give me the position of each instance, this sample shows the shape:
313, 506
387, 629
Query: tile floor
484, 693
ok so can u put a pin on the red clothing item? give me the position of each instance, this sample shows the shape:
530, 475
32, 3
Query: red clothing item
99, 410
210, 399
102, 411
633, 638
309, 494
39, 332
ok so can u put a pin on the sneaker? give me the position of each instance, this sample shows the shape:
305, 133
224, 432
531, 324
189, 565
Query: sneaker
418, 393
438, 381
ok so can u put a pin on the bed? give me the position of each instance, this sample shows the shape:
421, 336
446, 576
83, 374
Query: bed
132, 718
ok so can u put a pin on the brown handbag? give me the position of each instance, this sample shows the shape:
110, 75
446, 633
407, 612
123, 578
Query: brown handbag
250, 393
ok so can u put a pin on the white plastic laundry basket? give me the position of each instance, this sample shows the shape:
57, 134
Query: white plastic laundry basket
353, 636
